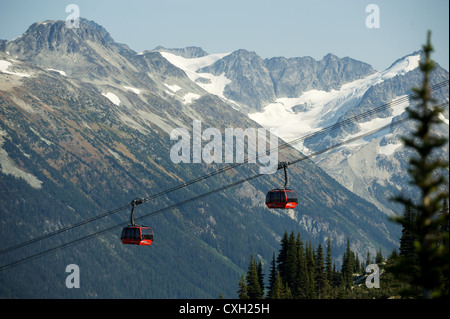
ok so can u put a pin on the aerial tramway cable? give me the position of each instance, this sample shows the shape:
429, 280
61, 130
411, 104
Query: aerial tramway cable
295, 141
93, 235
224, 169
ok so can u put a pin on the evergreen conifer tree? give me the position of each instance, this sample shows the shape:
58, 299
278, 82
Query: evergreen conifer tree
357, 266
287, 292
311, 271
348, 267
368, 260
444, 241
302, 278
243, 289
379, 257
407, 239
253, 287
394, 254
278, 290
259, 269
320, 274
282, 255
426, 173
291, 264
329, 263
272, 278
336, 276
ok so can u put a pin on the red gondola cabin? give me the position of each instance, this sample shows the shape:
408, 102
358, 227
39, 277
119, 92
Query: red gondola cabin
137, 235
281, 198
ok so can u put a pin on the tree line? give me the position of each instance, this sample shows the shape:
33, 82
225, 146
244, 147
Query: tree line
301, 271
423, 264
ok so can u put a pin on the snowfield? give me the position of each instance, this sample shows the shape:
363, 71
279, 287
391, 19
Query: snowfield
4, 65
174, 88
112, 97
58, 71
211, 83
389, 149
137, 91
320, 109
195, 63
189, 97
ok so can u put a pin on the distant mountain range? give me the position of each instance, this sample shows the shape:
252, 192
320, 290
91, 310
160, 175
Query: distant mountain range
299, 96
84, 129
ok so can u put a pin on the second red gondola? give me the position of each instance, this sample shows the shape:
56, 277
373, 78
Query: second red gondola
281, 198
136, 234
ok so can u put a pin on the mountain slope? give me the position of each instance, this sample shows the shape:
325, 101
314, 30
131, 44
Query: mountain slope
94, 134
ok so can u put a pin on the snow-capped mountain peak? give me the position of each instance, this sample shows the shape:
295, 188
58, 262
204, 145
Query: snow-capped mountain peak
300, 96
374, 167
214, 84
317, 109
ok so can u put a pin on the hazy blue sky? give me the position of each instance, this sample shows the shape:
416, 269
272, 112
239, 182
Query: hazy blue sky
270, 28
